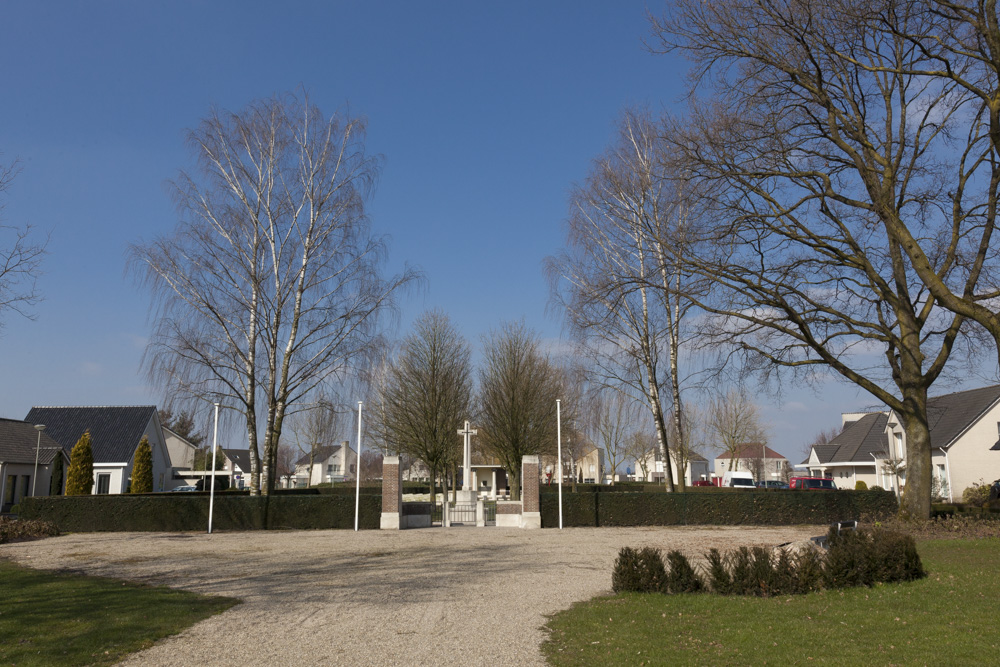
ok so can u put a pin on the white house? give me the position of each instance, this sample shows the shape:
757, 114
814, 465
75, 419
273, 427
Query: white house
331, 463
649, 467
965, 445
755, 457
27, 461
179, 449
115, 432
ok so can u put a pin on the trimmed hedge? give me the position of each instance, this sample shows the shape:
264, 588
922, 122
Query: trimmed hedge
188, 511
762, 507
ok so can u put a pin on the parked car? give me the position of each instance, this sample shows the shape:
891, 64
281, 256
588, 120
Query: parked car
771, 484
184, 488
702, 482
812, 484
738, 479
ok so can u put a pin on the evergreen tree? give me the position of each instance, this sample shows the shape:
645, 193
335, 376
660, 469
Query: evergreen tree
80, 481
142, 468
55, 485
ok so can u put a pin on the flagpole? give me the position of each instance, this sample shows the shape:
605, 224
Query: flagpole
215, 444
559, 457
357, 473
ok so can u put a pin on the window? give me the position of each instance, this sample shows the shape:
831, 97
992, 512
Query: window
899, 444
352, 467
335, 468
329, 468
103, 483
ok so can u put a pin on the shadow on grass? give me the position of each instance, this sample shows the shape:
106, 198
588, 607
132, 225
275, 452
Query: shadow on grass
62, 618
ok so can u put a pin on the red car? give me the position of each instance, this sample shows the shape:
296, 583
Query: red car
812, 484
702, 482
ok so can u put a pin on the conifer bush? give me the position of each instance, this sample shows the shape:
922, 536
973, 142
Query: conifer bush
80, 480
55, 483
142, 468
860, 485
639, 571
681, 577
719, 578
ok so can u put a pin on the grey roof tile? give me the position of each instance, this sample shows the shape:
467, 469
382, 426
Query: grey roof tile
19, 440
115, 431
949, 415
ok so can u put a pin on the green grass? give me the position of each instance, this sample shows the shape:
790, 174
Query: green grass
53, 618
949, 618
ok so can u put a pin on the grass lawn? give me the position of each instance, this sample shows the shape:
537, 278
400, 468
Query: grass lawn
950, 618
51, 618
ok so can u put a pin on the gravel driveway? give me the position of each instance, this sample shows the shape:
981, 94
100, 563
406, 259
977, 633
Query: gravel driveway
418, 597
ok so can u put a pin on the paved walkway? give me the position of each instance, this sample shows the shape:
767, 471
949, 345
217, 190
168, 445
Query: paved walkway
462, 596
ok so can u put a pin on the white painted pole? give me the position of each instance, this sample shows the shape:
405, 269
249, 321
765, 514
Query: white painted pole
357, 474
559, 457
215, 444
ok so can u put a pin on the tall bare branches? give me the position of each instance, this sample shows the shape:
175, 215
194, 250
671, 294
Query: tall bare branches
272, 282
20, 260
425, 394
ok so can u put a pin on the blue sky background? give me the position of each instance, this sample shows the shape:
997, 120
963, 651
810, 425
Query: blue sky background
486, 115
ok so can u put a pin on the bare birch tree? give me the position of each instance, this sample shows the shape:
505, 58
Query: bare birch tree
426, 394
272, 283
626, 298
518, 388
735, 422
20, 260
816, 157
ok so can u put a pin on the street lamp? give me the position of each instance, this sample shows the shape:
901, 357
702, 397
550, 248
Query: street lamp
38, 448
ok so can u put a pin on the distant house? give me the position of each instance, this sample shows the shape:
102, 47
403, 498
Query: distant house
20, 443
965, 445
115, 432
416, 471
649, 467
590, 466
754, 457
237, 466
331, 463
180, 450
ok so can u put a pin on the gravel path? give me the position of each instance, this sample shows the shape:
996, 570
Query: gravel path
417, 597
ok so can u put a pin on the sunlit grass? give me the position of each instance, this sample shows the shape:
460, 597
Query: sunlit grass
951, 617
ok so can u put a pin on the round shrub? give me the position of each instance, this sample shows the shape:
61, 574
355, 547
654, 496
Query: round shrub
977, 494
860, 485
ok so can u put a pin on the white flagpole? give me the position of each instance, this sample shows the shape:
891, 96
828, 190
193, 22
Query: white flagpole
211, 495
559, 456
357, 473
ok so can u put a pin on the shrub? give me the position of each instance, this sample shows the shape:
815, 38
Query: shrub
860, 485
80, 480
808, 571
25, 529
978, 494
866, 557
142, 469
681, 577
55, 483
639, 571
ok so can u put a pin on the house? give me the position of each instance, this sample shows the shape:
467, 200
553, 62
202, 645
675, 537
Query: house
237, 466
115, 432
590, 466
965, 445
649, 467
755, 457
27, 459
416, 471
180, 450
853, 455
331, 463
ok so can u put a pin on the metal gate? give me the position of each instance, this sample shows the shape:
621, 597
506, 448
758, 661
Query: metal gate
462, 513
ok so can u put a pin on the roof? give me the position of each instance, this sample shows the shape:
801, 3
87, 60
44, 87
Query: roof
115, 431
178, 436
323, 452
239, 457
19, 441
860, 439
751, 450
950, 415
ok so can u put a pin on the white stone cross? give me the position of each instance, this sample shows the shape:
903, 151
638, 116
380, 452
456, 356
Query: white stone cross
467, 456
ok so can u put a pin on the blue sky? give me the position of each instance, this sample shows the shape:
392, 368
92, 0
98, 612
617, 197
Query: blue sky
486, 115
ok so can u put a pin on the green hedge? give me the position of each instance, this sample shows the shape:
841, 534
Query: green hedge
188, 511
763, 507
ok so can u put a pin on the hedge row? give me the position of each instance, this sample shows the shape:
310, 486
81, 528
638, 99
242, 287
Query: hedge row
187, 511
760, 508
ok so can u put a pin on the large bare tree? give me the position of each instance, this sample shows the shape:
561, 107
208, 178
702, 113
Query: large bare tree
425, 395
734, 420
612, 417
518, 388
20, 259
815, 157
626, 298
320, 425
272, 283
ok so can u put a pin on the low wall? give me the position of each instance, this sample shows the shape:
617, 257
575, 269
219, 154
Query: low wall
183, 512
761, 508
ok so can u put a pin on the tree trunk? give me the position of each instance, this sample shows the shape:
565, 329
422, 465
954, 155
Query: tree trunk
312, 467
915, 501
454, 486
514, 484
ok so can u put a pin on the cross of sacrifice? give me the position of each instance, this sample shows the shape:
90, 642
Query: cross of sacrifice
467, 456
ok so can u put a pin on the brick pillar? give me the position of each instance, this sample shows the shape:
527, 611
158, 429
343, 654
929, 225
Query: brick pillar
531, 516
392, 494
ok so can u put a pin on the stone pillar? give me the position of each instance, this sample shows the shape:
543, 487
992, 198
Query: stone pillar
392, 494
493, 489
531, 516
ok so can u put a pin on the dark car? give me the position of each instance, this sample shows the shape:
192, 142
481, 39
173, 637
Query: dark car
812, 484
771, 484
